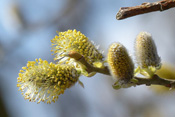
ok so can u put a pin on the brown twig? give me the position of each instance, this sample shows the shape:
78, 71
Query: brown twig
126, 12
155, 80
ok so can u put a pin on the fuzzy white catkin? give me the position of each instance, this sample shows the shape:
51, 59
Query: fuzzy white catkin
146, 51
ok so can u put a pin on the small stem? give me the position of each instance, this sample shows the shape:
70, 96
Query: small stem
126, 12
89, 68
104, 70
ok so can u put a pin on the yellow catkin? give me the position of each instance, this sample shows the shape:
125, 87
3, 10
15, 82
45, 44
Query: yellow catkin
45, 81
73, 40
120, 63
146, 51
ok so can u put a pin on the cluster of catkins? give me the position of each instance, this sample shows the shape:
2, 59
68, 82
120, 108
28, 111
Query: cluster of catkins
42, 81
121, 65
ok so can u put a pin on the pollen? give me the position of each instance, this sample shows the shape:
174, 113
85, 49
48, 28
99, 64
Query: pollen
73, 40
120, 63
43, 81
146, 51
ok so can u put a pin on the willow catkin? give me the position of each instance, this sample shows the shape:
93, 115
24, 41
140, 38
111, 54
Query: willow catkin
43, 81
146, 51
73, 40
120, 63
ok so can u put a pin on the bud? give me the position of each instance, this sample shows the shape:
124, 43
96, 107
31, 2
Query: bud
73, 40
146, 53
120, 63
44, 81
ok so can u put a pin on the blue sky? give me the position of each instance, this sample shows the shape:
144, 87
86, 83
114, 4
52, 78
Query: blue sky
96, 19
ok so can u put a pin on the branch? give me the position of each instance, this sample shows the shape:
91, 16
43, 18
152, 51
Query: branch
155, 80
126, 12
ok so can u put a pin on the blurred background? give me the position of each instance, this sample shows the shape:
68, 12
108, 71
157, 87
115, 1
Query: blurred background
26, 28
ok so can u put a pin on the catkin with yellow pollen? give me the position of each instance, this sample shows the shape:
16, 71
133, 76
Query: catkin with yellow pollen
120, 63
43, 81
73, 40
